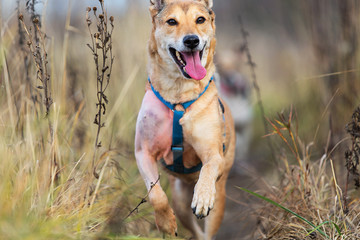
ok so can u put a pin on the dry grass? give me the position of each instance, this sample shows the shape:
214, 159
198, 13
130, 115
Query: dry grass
43, 200
316, 200
309, 189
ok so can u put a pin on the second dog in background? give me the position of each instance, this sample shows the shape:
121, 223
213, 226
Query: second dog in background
235, 89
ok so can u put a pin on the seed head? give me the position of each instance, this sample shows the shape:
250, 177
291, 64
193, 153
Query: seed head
88, 9
101, 16
112, 19
101, 1
94, 9
21, 17
36, 20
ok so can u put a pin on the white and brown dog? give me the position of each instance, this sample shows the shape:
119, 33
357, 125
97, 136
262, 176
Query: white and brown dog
182, 121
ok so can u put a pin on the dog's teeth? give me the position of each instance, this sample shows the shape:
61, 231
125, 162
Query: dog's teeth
179, 58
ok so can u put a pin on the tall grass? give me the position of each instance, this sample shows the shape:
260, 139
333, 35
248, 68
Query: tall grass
308, 201
38, 199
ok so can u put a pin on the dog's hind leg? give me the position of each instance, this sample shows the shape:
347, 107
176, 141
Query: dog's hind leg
213, 221
181, 201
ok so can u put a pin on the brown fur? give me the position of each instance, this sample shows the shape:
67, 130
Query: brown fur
202, 124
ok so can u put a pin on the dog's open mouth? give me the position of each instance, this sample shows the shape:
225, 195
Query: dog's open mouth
189, 63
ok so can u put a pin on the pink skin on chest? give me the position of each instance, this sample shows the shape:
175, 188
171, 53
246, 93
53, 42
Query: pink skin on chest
154, 128
154, 132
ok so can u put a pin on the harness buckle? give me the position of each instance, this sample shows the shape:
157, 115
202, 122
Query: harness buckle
175, 148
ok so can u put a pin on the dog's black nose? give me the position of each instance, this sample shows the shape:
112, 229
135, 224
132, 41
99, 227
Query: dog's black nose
191, 41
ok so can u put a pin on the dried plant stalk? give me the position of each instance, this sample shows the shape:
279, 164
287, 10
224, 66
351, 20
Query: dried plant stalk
38, 51
33, 92
245, 48
35, 41
101, 48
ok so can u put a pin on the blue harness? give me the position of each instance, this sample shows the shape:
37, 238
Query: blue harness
177, 146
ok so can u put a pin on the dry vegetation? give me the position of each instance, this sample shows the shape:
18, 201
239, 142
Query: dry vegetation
61, 177
64, 177
310, 189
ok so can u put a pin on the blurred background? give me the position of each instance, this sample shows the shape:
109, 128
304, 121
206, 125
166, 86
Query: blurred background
306, 62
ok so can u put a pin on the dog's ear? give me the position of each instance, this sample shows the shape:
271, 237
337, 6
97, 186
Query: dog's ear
157, 4
208, 3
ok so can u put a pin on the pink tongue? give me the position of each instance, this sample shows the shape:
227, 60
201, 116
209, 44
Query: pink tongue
193, 65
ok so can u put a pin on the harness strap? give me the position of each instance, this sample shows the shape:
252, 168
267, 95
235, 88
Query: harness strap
177, 142
223, 116
177, 146
172, 106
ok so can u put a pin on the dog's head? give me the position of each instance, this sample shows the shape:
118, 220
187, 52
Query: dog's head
183, 36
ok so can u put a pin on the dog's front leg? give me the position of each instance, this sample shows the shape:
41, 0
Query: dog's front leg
151, 138
164, 215
204, 191
205, 136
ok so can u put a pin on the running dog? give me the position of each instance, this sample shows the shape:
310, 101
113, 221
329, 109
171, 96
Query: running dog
182, 122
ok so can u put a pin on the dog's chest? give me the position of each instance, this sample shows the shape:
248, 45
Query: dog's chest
155, 129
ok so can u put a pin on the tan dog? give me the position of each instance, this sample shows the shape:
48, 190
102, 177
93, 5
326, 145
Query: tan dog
181, 51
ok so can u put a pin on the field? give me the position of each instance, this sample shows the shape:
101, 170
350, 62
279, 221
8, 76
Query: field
67, 119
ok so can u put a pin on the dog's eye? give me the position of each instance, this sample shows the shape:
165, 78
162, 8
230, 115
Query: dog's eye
200, 20
172, 22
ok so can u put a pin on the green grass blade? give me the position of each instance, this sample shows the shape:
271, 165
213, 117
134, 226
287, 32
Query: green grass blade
337, 228
284, 208
316, 229
331, 222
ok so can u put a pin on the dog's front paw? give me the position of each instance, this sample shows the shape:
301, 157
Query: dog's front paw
203, 199
166, 221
